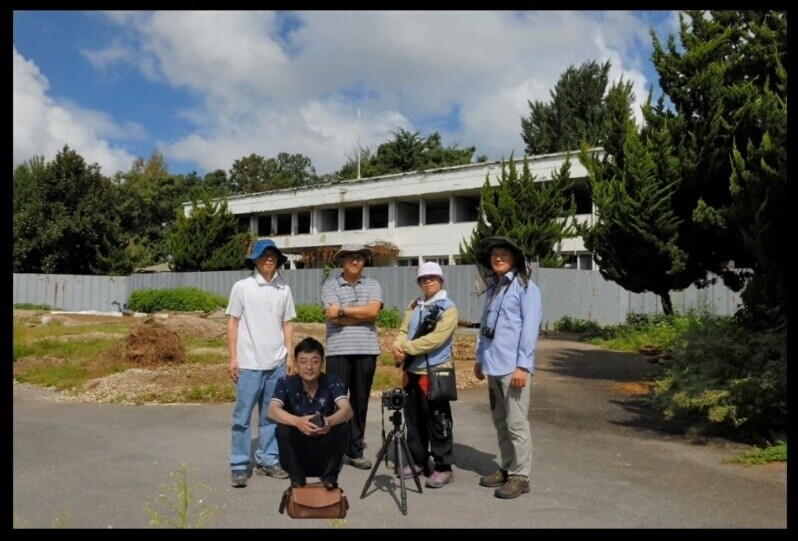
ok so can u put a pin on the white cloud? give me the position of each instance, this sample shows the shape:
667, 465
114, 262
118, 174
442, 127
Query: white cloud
263, 90
43, 127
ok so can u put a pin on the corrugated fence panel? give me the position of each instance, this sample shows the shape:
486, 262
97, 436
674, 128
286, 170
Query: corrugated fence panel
71, 292
577, 294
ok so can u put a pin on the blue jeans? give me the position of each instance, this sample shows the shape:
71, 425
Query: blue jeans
254, 388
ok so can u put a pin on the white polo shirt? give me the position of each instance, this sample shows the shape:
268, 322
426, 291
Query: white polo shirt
261, 307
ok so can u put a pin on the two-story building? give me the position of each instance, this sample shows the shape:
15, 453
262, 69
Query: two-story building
421, 216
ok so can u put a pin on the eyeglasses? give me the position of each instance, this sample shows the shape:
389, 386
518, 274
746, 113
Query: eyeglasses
430, 278
355, 258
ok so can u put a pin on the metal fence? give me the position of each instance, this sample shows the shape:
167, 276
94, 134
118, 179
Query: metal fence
577, 294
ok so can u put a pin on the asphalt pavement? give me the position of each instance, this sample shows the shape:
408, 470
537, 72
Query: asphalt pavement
600, 461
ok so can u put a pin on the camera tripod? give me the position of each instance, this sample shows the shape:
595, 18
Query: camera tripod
401, 455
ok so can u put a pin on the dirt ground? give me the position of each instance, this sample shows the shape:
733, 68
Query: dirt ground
154, 348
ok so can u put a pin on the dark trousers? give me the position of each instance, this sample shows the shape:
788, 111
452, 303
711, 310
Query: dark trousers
357, 373
301, 455
429, 427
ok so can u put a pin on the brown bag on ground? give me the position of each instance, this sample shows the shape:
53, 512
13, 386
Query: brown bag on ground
314, 501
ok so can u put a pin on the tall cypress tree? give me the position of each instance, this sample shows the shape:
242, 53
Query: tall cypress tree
535, 215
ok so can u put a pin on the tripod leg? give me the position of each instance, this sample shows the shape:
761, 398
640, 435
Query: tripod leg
406, 450
383, 452
398, 451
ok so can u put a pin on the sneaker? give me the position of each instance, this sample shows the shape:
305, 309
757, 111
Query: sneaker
407, 471
514, 487
496, 479
439, 478
239, 478
361, 463
275, 470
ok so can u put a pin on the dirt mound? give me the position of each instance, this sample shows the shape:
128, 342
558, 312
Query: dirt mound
150, 343
189, 326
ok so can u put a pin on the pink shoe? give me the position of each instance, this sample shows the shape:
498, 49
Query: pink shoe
407, 472
439, 478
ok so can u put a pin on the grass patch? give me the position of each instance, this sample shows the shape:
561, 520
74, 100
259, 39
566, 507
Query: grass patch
386, 379
773, 453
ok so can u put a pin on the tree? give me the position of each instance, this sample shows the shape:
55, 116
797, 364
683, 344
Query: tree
404, 153
24, 182
147, 198
727, 83
254, 173
68, 221
535, 215
207, 239
574, 115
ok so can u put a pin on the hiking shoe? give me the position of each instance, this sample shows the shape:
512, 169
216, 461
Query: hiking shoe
407, 471
330, 485
239, 478
439, 478
514, 487
361, 463
494, 480
275, 470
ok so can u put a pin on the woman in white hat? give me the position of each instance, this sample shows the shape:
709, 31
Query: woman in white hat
429, 422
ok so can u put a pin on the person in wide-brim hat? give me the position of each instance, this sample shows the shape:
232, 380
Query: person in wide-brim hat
348, 249
483, 249
259, 248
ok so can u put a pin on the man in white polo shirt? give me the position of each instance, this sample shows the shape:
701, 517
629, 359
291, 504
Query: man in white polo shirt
259, 341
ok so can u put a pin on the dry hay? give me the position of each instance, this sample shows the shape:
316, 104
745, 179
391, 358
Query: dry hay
152, 344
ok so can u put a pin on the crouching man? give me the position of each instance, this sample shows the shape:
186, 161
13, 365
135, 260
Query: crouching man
312, 410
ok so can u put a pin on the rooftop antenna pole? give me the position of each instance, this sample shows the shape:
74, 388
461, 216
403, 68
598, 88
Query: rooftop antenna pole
358, 144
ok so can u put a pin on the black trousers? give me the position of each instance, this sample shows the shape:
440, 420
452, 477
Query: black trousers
429, 427
301, 455
357, 373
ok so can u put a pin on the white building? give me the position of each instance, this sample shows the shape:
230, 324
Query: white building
426, 215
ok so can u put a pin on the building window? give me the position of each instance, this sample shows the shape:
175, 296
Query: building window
406, 213
439, 259
407, 262
378, 216
353, 218
569, 261
586, 262
302, 223
283, 224
328, 220
581, 195
264, 226
437, 211
243, 224
466, 208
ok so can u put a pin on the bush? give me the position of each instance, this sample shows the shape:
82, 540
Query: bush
310, 313
389, 318
29, 306
567, 324
181, 299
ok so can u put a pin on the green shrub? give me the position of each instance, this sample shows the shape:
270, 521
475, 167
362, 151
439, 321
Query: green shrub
29, 306
389, 318
567, 324
310, 313
728, 374
181, 299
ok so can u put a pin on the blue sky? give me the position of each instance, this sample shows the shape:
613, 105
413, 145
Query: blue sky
207, 88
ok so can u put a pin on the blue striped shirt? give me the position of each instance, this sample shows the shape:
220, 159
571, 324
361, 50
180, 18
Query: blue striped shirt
351, 339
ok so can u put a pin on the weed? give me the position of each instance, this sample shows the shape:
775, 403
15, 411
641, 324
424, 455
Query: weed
183, 509
773, 453
63, 520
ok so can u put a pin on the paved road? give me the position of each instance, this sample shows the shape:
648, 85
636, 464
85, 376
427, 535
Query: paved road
600, 461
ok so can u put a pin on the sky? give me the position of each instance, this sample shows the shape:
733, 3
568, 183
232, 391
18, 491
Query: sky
206, 88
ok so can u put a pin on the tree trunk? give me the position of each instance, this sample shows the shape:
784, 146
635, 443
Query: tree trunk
667, 305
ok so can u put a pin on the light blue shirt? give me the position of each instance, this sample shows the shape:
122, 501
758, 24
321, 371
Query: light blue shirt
515, 314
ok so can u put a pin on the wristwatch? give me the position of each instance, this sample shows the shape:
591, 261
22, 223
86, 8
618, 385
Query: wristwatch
341, 312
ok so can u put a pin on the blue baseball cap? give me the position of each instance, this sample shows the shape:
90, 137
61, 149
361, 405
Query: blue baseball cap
261, 246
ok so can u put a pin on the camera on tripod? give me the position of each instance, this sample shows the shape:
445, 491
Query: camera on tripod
394, 399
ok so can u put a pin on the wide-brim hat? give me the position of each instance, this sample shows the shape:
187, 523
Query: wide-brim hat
348, 249
482, 251
430, 268
261, 246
